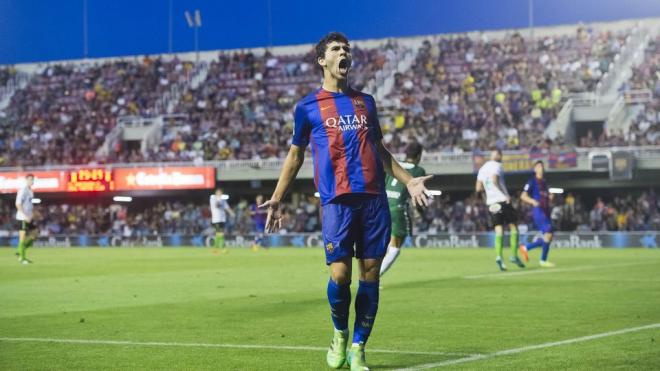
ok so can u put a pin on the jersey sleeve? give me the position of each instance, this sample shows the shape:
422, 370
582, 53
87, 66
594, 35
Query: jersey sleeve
529, 187
302, 128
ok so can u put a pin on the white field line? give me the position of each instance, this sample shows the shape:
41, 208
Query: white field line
554, 270
214, 345
480, 357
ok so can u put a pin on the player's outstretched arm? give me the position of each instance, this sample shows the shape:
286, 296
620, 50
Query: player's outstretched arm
418, 192
292, 164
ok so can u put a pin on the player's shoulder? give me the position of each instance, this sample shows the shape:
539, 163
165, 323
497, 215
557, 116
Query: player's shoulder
487, 166
311, 98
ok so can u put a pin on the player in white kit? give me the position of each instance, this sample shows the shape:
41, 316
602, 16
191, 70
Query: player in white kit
24, 214
219, 209
490, 180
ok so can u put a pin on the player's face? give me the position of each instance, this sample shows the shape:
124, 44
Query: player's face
539, 170
496, 156
260, 200
218, 193
29, 181
337, 60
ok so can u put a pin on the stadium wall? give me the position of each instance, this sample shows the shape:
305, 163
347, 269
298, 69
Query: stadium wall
441, 240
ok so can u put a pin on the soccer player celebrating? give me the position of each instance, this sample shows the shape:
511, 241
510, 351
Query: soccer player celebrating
24, 213
259, 219
350, 162
219, 209
536, 194
491, 180
397, 198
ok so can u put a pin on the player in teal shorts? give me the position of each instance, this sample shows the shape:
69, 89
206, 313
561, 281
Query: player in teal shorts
397, 197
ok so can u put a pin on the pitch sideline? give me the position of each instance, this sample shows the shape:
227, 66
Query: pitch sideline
214, 345
480, 357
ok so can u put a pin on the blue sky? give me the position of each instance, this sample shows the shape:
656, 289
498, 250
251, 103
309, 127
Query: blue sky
41, 30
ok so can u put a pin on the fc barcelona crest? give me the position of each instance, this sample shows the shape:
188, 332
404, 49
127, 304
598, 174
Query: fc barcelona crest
358, 103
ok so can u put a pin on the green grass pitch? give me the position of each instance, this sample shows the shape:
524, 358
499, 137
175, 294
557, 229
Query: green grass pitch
191, 309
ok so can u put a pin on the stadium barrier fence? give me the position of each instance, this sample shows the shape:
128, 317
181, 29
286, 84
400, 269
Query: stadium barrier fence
596, 240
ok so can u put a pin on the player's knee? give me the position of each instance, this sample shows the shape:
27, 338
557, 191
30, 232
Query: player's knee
548, 237
370, 273
513, 228
499, 230
341, 278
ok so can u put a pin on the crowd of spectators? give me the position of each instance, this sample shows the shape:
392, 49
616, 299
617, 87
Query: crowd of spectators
638, 212
645, 128
467, 93
243, 110
460, 94
64, 113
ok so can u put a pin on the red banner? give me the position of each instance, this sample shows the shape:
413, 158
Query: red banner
164, 178
119, 179
44, 181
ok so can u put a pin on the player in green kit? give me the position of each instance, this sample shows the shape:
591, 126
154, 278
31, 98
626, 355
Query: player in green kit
397, 197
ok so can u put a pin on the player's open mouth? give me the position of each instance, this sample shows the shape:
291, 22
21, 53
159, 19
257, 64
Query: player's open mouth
343, 66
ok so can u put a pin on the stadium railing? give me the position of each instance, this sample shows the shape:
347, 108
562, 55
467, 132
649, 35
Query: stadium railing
434, 162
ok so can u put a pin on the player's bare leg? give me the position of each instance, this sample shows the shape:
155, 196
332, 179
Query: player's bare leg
392, 254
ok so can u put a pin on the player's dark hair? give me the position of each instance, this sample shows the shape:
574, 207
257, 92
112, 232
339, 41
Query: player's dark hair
30, 175
539, 162
322, 45
413, 150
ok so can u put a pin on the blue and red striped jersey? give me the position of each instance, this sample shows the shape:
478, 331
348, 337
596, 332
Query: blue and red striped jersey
343, 131
538, 190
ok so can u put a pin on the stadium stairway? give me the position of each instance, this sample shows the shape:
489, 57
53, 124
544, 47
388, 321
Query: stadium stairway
6, 92
198, 76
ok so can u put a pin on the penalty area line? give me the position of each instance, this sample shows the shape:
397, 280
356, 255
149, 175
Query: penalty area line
214, 345
480, 357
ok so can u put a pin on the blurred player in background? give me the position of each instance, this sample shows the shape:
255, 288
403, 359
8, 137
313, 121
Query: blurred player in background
536, 194
219, 209
490, 180
27, 230
397, 198
259, 219
350, 162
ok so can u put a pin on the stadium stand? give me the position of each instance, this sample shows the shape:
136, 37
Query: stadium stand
467, 93
460, 93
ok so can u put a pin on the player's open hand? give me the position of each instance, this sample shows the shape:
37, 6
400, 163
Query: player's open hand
274, 217
418, 192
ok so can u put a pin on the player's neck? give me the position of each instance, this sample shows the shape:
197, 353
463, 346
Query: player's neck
335, 85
